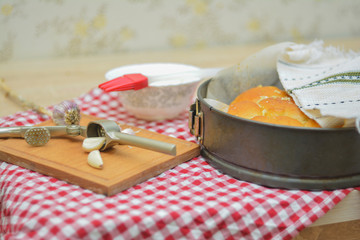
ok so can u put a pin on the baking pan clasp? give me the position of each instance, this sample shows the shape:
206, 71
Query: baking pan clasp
196, 121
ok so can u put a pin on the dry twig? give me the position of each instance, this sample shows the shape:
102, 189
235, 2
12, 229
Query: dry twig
20, 100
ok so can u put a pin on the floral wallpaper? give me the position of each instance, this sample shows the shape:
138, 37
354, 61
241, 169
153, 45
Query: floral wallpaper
65, 28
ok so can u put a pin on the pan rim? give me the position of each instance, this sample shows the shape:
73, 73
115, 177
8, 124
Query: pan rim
201, 98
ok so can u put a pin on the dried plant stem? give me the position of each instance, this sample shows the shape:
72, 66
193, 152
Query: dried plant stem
23, 102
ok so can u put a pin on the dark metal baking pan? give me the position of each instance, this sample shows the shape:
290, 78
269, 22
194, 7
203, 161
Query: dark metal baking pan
274, 155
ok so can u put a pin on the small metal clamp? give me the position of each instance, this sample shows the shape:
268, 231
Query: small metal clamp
196, 121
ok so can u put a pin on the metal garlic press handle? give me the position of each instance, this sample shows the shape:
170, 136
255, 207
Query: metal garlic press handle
72, 130
10, 132
146, 143
112, 133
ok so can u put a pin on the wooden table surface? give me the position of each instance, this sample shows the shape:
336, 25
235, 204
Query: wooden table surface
50, 81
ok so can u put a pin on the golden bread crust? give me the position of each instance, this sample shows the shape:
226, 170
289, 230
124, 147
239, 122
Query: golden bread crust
271, 105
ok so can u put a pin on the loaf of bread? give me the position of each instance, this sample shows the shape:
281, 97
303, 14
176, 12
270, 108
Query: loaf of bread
271, 105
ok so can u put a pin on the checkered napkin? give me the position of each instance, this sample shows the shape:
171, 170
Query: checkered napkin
190, 201
324, 82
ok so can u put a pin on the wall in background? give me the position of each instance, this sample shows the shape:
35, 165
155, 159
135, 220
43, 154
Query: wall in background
63, 28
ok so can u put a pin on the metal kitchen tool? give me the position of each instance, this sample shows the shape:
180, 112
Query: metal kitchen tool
273, 155
39, 136
112, 132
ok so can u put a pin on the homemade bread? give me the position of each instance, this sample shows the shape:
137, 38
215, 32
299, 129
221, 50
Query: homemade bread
271, 105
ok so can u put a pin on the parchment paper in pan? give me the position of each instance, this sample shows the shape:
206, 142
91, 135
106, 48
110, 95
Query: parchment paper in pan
257, 69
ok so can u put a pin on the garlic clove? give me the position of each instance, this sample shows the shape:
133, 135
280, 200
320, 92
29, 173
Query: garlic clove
93, 143
95, 160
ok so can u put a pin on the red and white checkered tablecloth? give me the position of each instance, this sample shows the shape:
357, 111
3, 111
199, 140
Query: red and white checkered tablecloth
190, 201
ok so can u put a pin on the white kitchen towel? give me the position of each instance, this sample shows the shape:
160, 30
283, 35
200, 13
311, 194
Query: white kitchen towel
324, 82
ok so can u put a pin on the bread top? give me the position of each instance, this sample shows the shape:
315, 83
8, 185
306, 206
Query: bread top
271, 105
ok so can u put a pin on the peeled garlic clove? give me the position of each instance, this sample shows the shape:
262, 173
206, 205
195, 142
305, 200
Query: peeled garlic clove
93, 143
95, 160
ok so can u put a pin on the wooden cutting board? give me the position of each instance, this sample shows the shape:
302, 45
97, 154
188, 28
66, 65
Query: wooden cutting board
124, 166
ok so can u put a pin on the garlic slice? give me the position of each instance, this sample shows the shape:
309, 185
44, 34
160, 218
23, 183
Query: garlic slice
93, 143
95, 160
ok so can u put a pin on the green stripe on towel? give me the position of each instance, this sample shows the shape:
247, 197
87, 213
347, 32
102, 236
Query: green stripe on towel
348, 78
